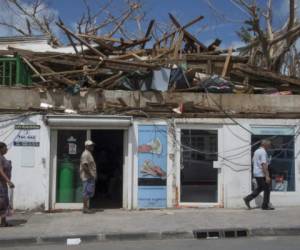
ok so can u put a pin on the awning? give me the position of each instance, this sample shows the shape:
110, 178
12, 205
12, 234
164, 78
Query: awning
88, 121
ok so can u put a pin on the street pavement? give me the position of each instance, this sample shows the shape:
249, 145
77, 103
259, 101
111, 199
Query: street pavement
114, 225
260, 243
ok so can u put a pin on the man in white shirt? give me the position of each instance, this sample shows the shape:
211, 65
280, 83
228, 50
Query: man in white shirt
88, 174
261, 175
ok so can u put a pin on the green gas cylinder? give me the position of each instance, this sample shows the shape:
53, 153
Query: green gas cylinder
66, 175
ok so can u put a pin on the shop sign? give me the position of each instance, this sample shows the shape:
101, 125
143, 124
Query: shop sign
27, 126
72, 146
152, 166
28, 135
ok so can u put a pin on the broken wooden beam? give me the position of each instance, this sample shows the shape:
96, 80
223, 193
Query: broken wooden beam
264, 75
110, 80
179, 29
33, 69
99, 41
128, 66
148, 32
227, 63
178, 45
188, 35
60, 79
221, 58
70, 39
72, 72
80, 40
134, 43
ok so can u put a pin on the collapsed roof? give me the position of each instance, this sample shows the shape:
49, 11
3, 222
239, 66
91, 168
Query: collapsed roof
178, 62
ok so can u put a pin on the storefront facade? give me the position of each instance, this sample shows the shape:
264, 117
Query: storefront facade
148, 163
110, 135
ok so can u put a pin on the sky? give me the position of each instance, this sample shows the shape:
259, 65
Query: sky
222, 22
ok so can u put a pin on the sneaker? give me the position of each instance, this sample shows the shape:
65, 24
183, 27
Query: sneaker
247, 203
88, 211
268, 208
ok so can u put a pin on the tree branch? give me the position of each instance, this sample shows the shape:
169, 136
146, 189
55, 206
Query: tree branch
292, 14
294, 33
14, 27
42, 23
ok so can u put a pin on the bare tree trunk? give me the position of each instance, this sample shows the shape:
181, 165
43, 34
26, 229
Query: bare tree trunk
288, 39
273, 45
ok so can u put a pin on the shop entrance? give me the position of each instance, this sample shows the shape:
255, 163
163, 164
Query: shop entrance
198, 177
108, 154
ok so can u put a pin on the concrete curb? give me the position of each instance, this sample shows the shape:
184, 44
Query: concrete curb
128, 236
177, 235
63, 239
292, 231
133, 236
18, 241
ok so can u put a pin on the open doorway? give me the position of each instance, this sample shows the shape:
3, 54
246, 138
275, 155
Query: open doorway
108, 154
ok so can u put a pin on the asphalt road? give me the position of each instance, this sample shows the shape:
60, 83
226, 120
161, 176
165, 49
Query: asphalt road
262, 243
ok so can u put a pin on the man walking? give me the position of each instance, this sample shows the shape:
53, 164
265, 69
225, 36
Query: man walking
261, 175
88, 174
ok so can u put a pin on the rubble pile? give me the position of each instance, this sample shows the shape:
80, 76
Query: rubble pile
177, 62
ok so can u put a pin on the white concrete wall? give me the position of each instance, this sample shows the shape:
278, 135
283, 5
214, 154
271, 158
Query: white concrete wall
239, 183
236, 165
32, 182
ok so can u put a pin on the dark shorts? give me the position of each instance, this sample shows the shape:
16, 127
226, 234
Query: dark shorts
88, 188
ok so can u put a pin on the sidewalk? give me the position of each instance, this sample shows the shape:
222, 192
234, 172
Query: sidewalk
151, 224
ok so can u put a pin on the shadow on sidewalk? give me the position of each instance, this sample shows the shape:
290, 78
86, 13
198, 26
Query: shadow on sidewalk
17, 222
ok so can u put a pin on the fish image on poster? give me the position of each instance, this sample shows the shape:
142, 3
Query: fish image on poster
150, 169
152, 166
154, 147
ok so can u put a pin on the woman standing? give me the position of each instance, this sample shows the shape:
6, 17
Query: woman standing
5, 175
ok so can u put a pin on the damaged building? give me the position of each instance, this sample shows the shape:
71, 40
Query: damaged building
175, 125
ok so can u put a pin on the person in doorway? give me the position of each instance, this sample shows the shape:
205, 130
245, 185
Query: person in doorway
261, 175
88, 174
5, 182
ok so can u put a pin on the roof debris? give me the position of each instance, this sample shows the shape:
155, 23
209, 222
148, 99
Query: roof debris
178, 62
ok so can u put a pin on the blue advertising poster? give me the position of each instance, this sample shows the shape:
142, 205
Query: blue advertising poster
152, 166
